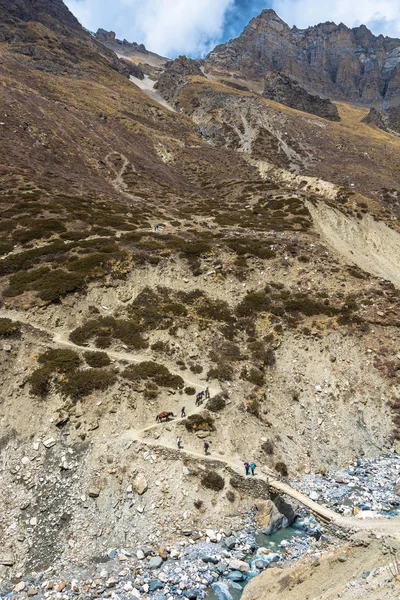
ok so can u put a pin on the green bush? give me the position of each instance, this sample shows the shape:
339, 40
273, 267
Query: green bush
213, 481
58, 283
24, 280
60, 360
222, 371
5, 247
215, 310
266, 356
40, 382
216, 403
83, 383
106, 329
256, 377
155, 309
282, 468
97, 359
268, 447
253, 303
157, 373
199, 422
9, 328
245, 246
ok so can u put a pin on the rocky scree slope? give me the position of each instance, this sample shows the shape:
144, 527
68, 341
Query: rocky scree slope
327, 59
105, 322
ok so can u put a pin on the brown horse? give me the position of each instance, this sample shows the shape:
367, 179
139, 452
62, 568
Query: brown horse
164, 416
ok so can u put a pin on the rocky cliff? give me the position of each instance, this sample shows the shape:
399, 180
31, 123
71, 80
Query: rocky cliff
287, 91
331, 60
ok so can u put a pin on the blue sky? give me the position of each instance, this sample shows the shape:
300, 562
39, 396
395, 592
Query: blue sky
173, 27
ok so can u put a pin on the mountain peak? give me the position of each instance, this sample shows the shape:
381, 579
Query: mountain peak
267, 17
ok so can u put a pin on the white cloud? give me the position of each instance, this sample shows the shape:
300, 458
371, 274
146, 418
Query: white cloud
381, 16
168, 27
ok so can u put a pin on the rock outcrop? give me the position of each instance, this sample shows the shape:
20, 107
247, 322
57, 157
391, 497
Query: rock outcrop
109, 39
272, 515
388, 120
328, 59
287, 91
173, 79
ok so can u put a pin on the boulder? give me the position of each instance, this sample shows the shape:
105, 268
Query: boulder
140, 484
273, 515
155, 562
230, 542
192, 593
239, 565
268, 518
6, 558
155, 584
236, 576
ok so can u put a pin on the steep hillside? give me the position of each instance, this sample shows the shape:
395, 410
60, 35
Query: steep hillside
328, 59
146, 255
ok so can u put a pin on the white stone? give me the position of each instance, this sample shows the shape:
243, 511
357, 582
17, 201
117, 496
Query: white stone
49, 443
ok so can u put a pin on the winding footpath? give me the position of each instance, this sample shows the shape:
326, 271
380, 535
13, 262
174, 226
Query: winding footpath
381, 526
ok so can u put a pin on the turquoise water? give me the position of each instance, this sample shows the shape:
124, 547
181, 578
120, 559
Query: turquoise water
266, 541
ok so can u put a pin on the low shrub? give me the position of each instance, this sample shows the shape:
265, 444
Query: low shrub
157, 373
199, 422
255, 376
97, 359
161, 347
266, 356
221, 371
213, 481
40, 382
58, 283
268, 447
216, 403
282, 468
215, 310
253, 407
83, 383
106, 329
190, 391
198, 504
9, 328
253, 303
230, 496
60, 360
196, 369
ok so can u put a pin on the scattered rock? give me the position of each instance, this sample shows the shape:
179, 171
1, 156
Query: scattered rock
155, 562
93, 492
140, 484
49, 443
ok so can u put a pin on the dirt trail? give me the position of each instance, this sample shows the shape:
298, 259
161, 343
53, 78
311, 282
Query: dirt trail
60, 338
381, 525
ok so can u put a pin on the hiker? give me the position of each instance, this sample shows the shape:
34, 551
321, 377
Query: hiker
183, 412
247, 468
179, 442
199, 398
206, 447
156, 226
207, 393
252, 467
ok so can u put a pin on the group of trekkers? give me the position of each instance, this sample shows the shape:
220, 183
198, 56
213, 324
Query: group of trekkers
179, 443
203, 395
249, 467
